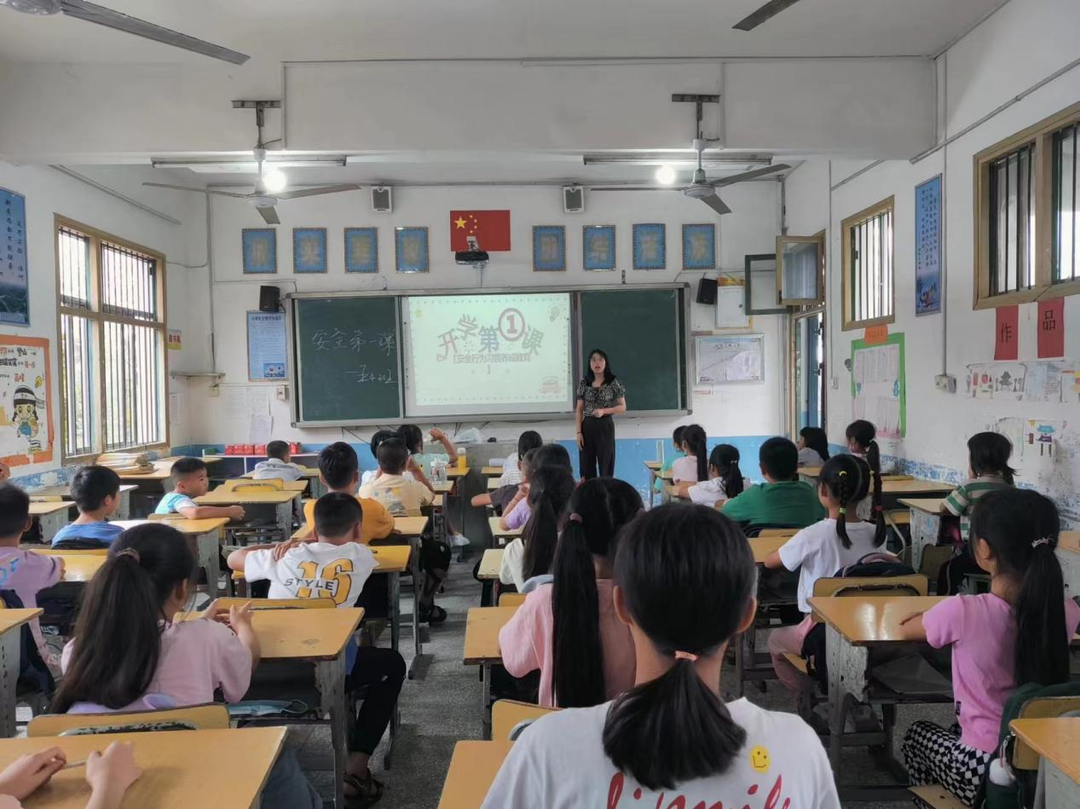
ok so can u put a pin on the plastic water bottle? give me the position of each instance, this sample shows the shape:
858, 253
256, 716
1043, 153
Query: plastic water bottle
438, 471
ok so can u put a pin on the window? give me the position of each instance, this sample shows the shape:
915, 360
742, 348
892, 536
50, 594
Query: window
800, 269
112, 338
1026, 227
867, 279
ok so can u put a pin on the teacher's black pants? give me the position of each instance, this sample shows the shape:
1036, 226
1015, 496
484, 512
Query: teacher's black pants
597, 457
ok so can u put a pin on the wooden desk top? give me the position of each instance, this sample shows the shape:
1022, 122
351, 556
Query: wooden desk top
490, 564
410, 526
176, 767
488, 471
473, 768
914, 486
162, 471
391, 558
303, 634
482, 633
929, 505
810, 471
443, 487
43, 507
493, 484
65, 491
763, 546
10, 619
867, 620
655, 466
223, 498
1052, 739
202, 526
454, 472
439, 501
306, 472
1069, 541
286, 485
496, 531
80, 567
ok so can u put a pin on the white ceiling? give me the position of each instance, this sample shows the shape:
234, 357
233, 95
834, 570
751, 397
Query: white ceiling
272, 31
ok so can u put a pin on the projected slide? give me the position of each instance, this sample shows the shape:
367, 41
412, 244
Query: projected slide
477, 354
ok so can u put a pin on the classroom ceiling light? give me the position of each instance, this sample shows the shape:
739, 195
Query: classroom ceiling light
665, 175
212, 165
274, 180
678, 158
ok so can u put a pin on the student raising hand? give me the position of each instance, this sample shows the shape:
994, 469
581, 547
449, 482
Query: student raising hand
27, 773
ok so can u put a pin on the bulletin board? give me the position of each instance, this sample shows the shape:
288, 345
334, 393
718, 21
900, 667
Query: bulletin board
267, 347
26, 434
878, 386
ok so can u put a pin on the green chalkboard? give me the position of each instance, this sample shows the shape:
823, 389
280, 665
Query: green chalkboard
347, 365
642, 332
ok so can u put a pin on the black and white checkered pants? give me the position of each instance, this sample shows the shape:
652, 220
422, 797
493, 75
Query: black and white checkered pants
934, 755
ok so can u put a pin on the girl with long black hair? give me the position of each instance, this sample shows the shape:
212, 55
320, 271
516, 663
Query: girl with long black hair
695, 466
813, 446
568, 629
725, 479
671, 740
532, 553
861, 437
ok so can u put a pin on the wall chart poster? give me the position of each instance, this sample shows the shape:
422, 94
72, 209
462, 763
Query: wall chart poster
928, 247
26, 435
738, 358
266, 345
14, 298
878, 386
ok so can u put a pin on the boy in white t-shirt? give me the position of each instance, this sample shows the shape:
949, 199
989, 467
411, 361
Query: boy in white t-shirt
278, 464
402, 496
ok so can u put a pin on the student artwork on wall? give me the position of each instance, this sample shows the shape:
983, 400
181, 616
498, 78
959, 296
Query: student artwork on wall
1042, 381
928, 247
411, 249
549, 248
26, 434
650, 247
699, 247
309, 249
260, 251
14, 292
598, 247
361, 250
878, 385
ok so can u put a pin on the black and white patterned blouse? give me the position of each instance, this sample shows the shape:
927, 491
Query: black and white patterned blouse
602, 397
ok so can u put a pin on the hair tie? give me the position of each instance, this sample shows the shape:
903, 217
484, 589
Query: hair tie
1043, 541
134, 554
575, 517
842, 473
843, 510
693, 658
879, 509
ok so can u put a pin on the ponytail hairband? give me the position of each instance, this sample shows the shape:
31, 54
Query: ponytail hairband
134, 554
575, 517
843, 510
842, 473
1043, 541
693, 658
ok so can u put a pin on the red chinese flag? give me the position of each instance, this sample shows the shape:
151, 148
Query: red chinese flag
1006, 338
491, 229
1051, 326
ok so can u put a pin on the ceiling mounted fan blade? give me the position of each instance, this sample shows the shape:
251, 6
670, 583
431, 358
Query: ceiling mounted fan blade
269, 215
766, 12
764, 171
196, 190
99, 15
314, 192
716, 204
633, 188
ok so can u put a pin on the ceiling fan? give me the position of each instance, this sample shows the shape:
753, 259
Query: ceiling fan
99, 15
701, 187
265, 197
763, 14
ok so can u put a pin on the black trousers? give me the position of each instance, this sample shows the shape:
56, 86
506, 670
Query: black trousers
597, 457
377, 673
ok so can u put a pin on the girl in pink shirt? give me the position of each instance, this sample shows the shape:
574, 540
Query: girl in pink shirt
568, 629
1018, 633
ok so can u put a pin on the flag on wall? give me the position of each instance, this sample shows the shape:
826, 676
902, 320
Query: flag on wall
491, 229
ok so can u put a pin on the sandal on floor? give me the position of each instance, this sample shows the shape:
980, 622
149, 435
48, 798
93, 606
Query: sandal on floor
432, 615
368, 791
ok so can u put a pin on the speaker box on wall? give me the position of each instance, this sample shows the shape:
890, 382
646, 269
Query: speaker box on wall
573, 199
269, 298
382, 199
706, 291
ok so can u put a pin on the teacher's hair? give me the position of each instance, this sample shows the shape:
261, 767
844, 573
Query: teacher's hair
609, 377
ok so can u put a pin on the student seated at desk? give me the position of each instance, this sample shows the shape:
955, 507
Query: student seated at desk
278, 464
336, 564
505, 498
782, 500
516, 512
1018, 633
685, 582
339, 469
511, 476
568, 629
813, 447
413, 437
96, 492
411, 471
694, 467
819, 551
190, 480
676, 440
108, 774
725, 480
531, 554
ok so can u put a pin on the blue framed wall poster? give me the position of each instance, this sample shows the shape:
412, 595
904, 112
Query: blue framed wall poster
411, 249
598, 247
361, 249
549, 248
260, 251
650, 247
699, 247
309, 249
14, 282
928, 246
266, 346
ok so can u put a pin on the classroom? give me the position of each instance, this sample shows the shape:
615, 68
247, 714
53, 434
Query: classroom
509, 405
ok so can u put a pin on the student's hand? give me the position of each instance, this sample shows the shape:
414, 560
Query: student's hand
236, 512
216, 611
240, 616
113, 771
283, 548
411, 466
27, 773
910, 618
599, 412
5, 472
436, 434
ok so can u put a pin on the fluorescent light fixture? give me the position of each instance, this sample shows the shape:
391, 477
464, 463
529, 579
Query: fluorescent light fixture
665, 175
680, 158
212, 165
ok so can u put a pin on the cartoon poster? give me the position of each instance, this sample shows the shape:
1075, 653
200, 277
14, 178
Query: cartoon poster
25, 408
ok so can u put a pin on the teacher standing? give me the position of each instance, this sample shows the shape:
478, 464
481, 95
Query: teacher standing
600, 395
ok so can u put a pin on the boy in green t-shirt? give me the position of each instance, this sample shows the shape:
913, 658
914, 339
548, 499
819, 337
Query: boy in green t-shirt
782, 500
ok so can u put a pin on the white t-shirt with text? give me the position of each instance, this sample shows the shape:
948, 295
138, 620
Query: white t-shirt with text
708, 492
817, 550
314, 570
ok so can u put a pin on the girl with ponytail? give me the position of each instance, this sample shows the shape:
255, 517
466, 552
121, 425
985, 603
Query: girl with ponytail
820, 551
1016, 634
671, 740
695, 466
568, 629
532, 553
861, 436
725, 480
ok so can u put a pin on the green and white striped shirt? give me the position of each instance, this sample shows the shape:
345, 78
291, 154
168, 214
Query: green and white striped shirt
962, 499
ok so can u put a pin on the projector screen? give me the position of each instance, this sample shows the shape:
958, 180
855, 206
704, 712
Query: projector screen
487, 354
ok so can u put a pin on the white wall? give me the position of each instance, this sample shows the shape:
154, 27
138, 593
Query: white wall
48, 192
752, 228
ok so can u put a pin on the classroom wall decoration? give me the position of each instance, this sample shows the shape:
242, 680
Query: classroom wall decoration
650, 247
1051, 326
1043, 381
14, 292
928, 247
737, 358
1046, 455
411, 249
549, 248
1007, 333
260, 251
309, 250
878, 385
266, 346
26, 434
598, 247
361, 250
491, 229
699, 247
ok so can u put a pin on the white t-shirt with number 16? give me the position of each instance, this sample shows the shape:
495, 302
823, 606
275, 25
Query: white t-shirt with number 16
314, 570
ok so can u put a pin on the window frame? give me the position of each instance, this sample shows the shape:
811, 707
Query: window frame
781, 242
1040, 136
848, 321
98, 318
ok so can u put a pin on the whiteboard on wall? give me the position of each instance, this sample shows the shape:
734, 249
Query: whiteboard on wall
878, 387
732, 358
